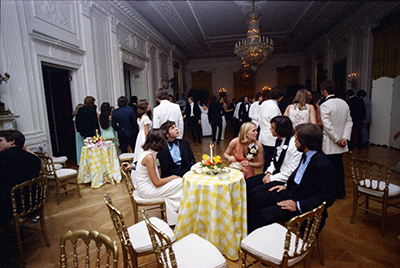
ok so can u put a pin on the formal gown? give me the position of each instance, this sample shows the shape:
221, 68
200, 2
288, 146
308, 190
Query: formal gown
239, 155
79, 144
108, 133
299, 116
205, 125
171, 192
141, 137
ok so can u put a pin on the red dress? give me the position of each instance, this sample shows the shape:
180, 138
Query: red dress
239, 155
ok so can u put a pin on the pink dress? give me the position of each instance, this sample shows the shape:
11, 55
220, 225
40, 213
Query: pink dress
239, 155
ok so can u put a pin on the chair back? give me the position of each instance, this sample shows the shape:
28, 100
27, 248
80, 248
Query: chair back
130, 188
47, 165
117, 218
162, 244
28, 198
301, 233
87, 237
370, 175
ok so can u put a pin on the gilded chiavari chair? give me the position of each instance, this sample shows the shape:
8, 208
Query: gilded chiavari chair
135, 240
87, 237
27, 200
63, 177
372, 180
280, 246
137, 201
190, 251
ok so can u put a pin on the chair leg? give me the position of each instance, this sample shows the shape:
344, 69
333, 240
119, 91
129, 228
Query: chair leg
77, 187
320, 249
366, 204
19, 241
58, 192
355, 204
43, 227
384, 210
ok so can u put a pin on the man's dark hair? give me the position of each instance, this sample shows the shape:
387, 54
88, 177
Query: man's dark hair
134, 99
166, 125
329, 86
277, 92
284, 126
155, 140
258, 94
309, 135
361, 93
13, 135
350, 92
162, 94
122, 101
171, 96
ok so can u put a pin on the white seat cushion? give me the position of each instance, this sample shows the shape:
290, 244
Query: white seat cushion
141, 200
268, 243
126, 157
140, 237
66, 172
394, 190
195, 252
60, 159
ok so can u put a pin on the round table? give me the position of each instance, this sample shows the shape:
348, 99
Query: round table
99, 165
215, 208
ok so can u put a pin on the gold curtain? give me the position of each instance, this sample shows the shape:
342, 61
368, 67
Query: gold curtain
386, 53
288, 76
202, 80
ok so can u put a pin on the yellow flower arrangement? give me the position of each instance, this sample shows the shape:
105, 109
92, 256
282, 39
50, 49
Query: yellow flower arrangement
215, 164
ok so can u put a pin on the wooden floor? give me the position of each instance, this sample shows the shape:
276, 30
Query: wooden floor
345, 244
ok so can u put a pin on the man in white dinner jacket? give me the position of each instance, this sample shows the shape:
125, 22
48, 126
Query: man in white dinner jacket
255, 107
337, 125
167, 110
268, 110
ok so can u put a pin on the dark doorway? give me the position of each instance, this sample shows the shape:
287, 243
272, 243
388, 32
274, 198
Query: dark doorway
339, 76
59, 111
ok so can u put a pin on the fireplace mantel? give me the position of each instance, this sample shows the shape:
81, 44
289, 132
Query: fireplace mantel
7, 122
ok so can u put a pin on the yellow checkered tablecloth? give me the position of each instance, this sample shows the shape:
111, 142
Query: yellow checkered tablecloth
99, 166
215, 209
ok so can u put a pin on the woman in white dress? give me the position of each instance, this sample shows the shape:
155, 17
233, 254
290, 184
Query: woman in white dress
149, 183
205, 125
300, 112
144, 124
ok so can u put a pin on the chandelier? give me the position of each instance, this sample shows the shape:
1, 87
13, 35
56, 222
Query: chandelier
254, 49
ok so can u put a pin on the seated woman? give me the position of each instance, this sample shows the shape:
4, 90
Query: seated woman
285, 161
248, 151
149, 183
300, 111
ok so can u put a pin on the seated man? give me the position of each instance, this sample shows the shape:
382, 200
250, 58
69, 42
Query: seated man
307, 187
177, 157
17, 165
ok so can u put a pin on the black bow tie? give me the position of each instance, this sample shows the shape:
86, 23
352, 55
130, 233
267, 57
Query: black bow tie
303, 158
170, 143
278, 142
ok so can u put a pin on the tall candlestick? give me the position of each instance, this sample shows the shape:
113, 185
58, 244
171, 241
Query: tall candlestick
211, 151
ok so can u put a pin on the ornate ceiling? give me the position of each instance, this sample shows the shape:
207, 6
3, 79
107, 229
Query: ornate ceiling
209, 29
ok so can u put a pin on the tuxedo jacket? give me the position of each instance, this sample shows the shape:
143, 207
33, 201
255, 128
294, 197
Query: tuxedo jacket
337, 124
317, 184
215, 112
124, 120
196, 112
86, 121
167, 110
168, 167
243, 113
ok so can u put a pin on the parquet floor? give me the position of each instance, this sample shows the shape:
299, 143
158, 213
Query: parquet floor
344, 244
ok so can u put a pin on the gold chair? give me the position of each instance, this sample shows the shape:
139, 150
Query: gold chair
87, 237
27, 201
126, 157
135, 240
62, 177
189, 251
372, 179
280, 246
62, 160
116, 144
137, 201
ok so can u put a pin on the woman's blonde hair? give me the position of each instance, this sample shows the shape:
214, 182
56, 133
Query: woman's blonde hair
300, 99
243, 131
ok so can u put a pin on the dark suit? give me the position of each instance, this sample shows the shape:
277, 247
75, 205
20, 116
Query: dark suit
124, 121
244, 112
357, 113
16, 166
168, 167
215, 112
317, 185
86, 121
193, 121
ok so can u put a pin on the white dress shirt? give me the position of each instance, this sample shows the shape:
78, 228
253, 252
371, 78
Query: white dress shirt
167, 110
268, 110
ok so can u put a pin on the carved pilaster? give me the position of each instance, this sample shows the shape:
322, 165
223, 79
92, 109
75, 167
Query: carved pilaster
87, 5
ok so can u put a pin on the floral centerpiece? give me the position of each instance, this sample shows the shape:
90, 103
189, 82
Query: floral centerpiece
252, 151
213, 165
95, 141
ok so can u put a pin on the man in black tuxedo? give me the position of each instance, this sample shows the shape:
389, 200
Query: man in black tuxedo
177, 157
215, 112
244, 111
192, 116
307, 187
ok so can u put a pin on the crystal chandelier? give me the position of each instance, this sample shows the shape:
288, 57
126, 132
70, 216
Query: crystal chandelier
254, 49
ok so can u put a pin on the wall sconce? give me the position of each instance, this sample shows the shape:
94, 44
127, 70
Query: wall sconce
353, 80
222, 90
4, 78
266, 88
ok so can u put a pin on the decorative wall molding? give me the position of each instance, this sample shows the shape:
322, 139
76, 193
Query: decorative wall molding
133, 58
87, 6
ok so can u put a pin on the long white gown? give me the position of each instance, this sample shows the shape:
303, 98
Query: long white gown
205, 125
171, 192
141, 137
